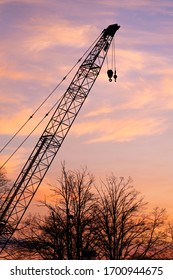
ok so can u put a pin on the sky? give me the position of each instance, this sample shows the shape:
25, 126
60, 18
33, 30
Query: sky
125, 128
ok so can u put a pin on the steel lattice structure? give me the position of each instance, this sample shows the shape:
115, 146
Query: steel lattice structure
38, 163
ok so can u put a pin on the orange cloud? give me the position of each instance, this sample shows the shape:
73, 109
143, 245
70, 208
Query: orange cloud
166, 92
14, 164
119, 130
62, 33
136, 4
155, 95
14, 74
26, 1
11, 124
100, 111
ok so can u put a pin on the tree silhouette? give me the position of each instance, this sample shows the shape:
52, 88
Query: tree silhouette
4, 190
68, 229
107, 221
118, 206
4, 185
126, 231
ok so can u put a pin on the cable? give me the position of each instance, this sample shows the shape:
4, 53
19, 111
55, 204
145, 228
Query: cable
30, 133
39, 108
113, 55
44, 101
107, 63
15, 134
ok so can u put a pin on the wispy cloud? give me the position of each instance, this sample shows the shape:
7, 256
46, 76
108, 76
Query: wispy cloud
15, 74
14, 165
22, 2
156, 5
60, 33
119, 130
100, 111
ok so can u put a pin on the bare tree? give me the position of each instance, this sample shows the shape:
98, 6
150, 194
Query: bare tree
4, 185
40, 238
4, 190
68, 230
110, 221
170, 231
125, 232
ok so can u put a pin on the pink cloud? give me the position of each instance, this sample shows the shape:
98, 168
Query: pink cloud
126, 129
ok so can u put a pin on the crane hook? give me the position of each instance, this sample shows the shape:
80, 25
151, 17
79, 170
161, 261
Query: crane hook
110, 75
115, 76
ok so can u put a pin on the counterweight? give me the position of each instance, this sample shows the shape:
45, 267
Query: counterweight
38, 163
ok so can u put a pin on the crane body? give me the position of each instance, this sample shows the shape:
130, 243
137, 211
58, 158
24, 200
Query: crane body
21, 194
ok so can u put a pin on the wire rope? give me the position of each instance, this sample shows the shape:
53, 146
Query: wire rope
37, 109
114, 56
39, 123
107, 62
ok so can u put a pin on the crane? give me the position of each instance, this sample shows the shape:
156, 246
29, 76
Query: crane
27, 183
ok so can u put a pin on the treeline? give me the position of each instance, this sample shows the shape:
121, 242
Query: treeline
91, 221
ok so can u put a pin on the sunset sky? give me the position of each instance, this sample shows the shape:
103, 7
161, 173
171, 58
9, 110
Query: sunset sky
124, 127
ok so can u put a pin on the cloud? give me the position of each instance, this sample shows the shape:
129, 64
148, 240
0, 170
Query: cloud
165, 92
34, 48
11, 124
112, 130
15, 74
21, 1
157, 5
151, 95
15, 163
49, 34
100, 111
